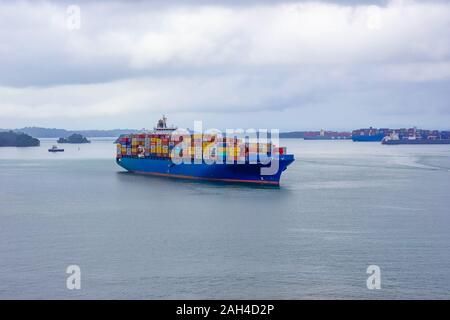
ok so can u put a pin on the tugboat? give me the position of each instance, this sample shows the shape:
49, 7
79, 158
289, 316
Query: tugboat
55, 149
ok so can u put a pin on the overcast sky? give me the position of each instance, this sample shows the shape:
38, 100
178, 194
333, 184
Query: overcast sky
266, 64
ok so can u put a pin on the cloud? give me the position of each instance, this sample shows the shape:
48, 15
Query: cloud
173, 94
416, 71
198, 58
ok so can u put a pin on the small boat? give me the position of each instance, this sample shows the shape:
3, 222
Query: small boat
55, 149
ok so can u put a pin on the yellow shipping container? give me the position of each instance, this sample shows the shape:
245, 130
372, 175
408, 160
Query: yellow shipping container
208, 147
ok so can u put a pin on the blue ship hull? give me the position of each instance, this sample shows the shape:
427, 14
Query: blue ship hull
242, 173
372, 138
416, 141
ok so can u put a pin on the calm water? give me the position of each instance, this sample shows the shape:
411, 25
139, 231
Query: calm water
342, 207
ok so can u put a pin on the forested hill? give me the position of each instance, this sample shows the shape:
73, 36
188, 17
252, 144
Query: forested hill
17, 139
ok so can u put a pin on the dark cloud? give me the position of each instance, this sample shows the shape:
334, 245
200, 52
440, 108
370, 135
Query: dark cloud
334, 64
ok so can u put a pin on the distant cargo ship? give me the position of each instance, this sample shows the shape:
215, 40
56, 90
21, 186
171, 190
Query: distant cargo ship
151, 153
326, 135
369, 135
401, 136
415, 138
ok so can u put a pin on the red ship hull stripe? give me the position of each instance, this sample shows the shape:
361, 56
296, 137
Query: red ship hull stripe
208, 179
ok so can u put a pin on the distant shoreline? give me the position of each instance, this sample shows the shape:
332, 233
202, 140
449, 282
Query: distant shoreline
49, 133
44, 133
53, 133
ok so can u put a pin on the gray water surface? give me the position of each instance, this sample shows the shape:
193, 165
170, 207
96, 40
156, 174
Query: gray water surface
342, 206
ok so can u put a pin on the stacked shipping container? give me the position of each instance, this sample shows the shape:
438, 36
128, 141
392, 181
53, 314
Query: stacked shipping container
194, 146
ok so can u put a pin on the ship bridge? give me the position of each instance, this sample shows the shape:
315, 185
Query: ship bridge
162, 128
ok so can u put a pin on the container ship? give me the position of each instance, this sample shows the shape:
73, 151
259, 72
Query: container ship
369, 135
414, 136
205, 157
326, 135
